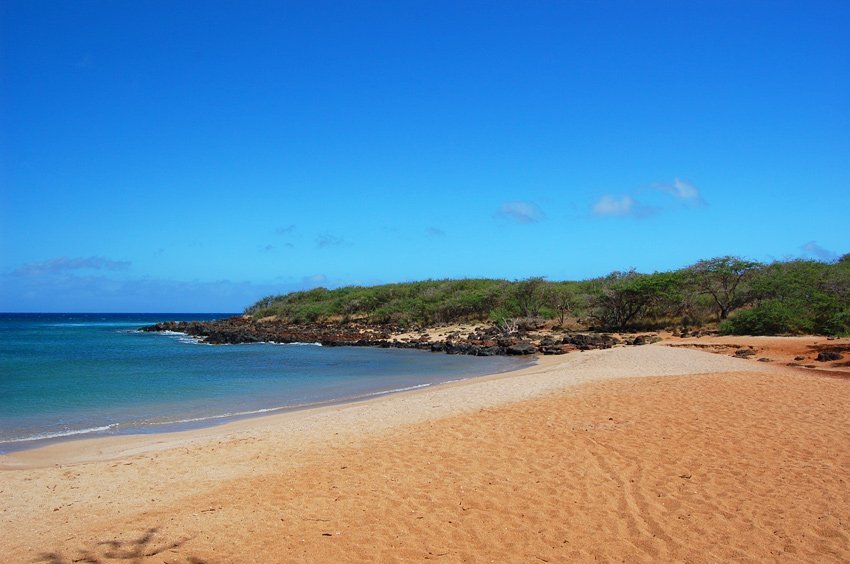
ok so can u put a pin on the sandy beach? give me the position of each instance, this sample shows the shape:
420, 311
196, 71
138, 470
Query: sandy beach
640, 453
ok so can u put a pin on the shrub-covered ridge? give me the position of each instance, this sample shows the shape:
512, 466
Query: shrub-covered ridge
745, 297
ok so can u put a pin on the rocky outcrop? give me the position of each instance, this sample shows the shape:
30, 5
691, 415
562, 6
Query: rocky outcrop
481, 341
521, 349
643, 340
585, 341
828, 356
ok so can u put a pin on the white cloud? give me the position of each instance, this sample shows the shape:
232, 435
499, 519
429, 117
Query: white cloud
813, 249
328, 240
609, 205
521, 212
94, 284
314, 281
72, 291
65, 264
682, 190
685, 190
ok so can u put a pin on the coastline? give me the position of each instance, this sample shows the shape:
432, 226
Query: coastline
475, 339
175, 428
501, 457
69, 377
554, 373
77, 448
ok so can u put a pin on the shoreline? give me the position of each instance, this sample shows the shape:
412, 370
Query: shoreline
180, 427
657, 452
74, 451
474, 338
783, 347
92, 449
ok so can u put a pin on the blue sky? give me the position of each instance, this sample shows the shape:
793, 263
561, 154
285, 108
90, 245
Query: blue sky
195, 156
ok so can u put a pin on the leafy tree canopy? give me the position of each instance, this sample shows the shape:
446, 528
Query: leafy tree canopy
796, 296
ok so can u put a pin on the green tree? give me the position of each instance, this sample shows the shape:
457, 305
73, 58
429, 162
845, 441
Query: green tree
621, 298
723, 279
563, 298
807, 293
528, 294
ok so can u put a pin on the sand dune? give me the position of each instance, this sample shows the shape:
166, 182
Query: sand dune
642, 453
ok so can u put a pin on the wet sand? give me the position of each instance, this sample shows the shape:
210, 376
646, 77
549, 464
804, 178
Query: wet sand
640, 453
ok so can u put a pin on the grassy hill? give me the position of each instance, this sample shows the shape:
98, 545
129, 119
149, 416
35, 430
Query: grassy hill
744, 297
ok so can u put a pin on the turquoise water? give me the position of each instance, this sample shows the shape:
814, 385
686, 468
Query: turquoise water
81, 375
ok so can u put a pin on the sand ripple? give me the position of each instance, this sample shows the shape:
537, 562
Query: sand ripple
750, 464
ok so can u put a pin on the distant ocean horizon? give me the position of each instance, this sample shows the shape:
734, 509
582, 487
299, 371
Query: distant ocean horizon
79, 375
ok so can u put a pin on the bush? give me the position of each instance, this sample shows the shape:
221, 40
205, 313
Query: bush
767, 318
839, 324
797, 296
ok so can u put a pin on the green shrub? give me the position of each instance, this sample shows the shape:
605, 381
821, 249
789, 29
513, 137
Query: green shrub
767, 318
796, 296
839, 324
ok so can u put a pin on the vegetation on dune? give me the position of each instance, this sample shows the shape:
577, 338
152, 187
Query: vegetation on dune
800, 296
430, 301
745, 297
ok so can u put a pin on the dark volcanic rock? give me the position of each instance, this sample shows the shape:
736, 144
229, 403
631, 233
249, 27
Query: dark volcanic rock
484, 341
826, 356
506, 341
438, 347
489, 351
584, 341
547, 341
644, 340
521, 349
557, 349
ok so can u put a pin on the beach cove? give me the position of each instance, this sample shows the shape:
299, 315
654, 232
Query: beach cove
404, 281
73, 376
643, 453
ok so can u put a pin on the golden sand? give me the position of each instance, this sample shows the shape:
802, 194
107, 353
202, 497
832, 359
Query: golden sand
606, 455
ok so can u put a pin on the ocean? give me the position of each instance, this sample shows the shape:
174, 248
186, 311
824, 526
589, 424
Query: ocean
65, 376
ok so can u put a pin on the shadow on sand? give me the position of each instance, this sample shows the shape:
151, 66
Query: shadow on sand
133, 550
